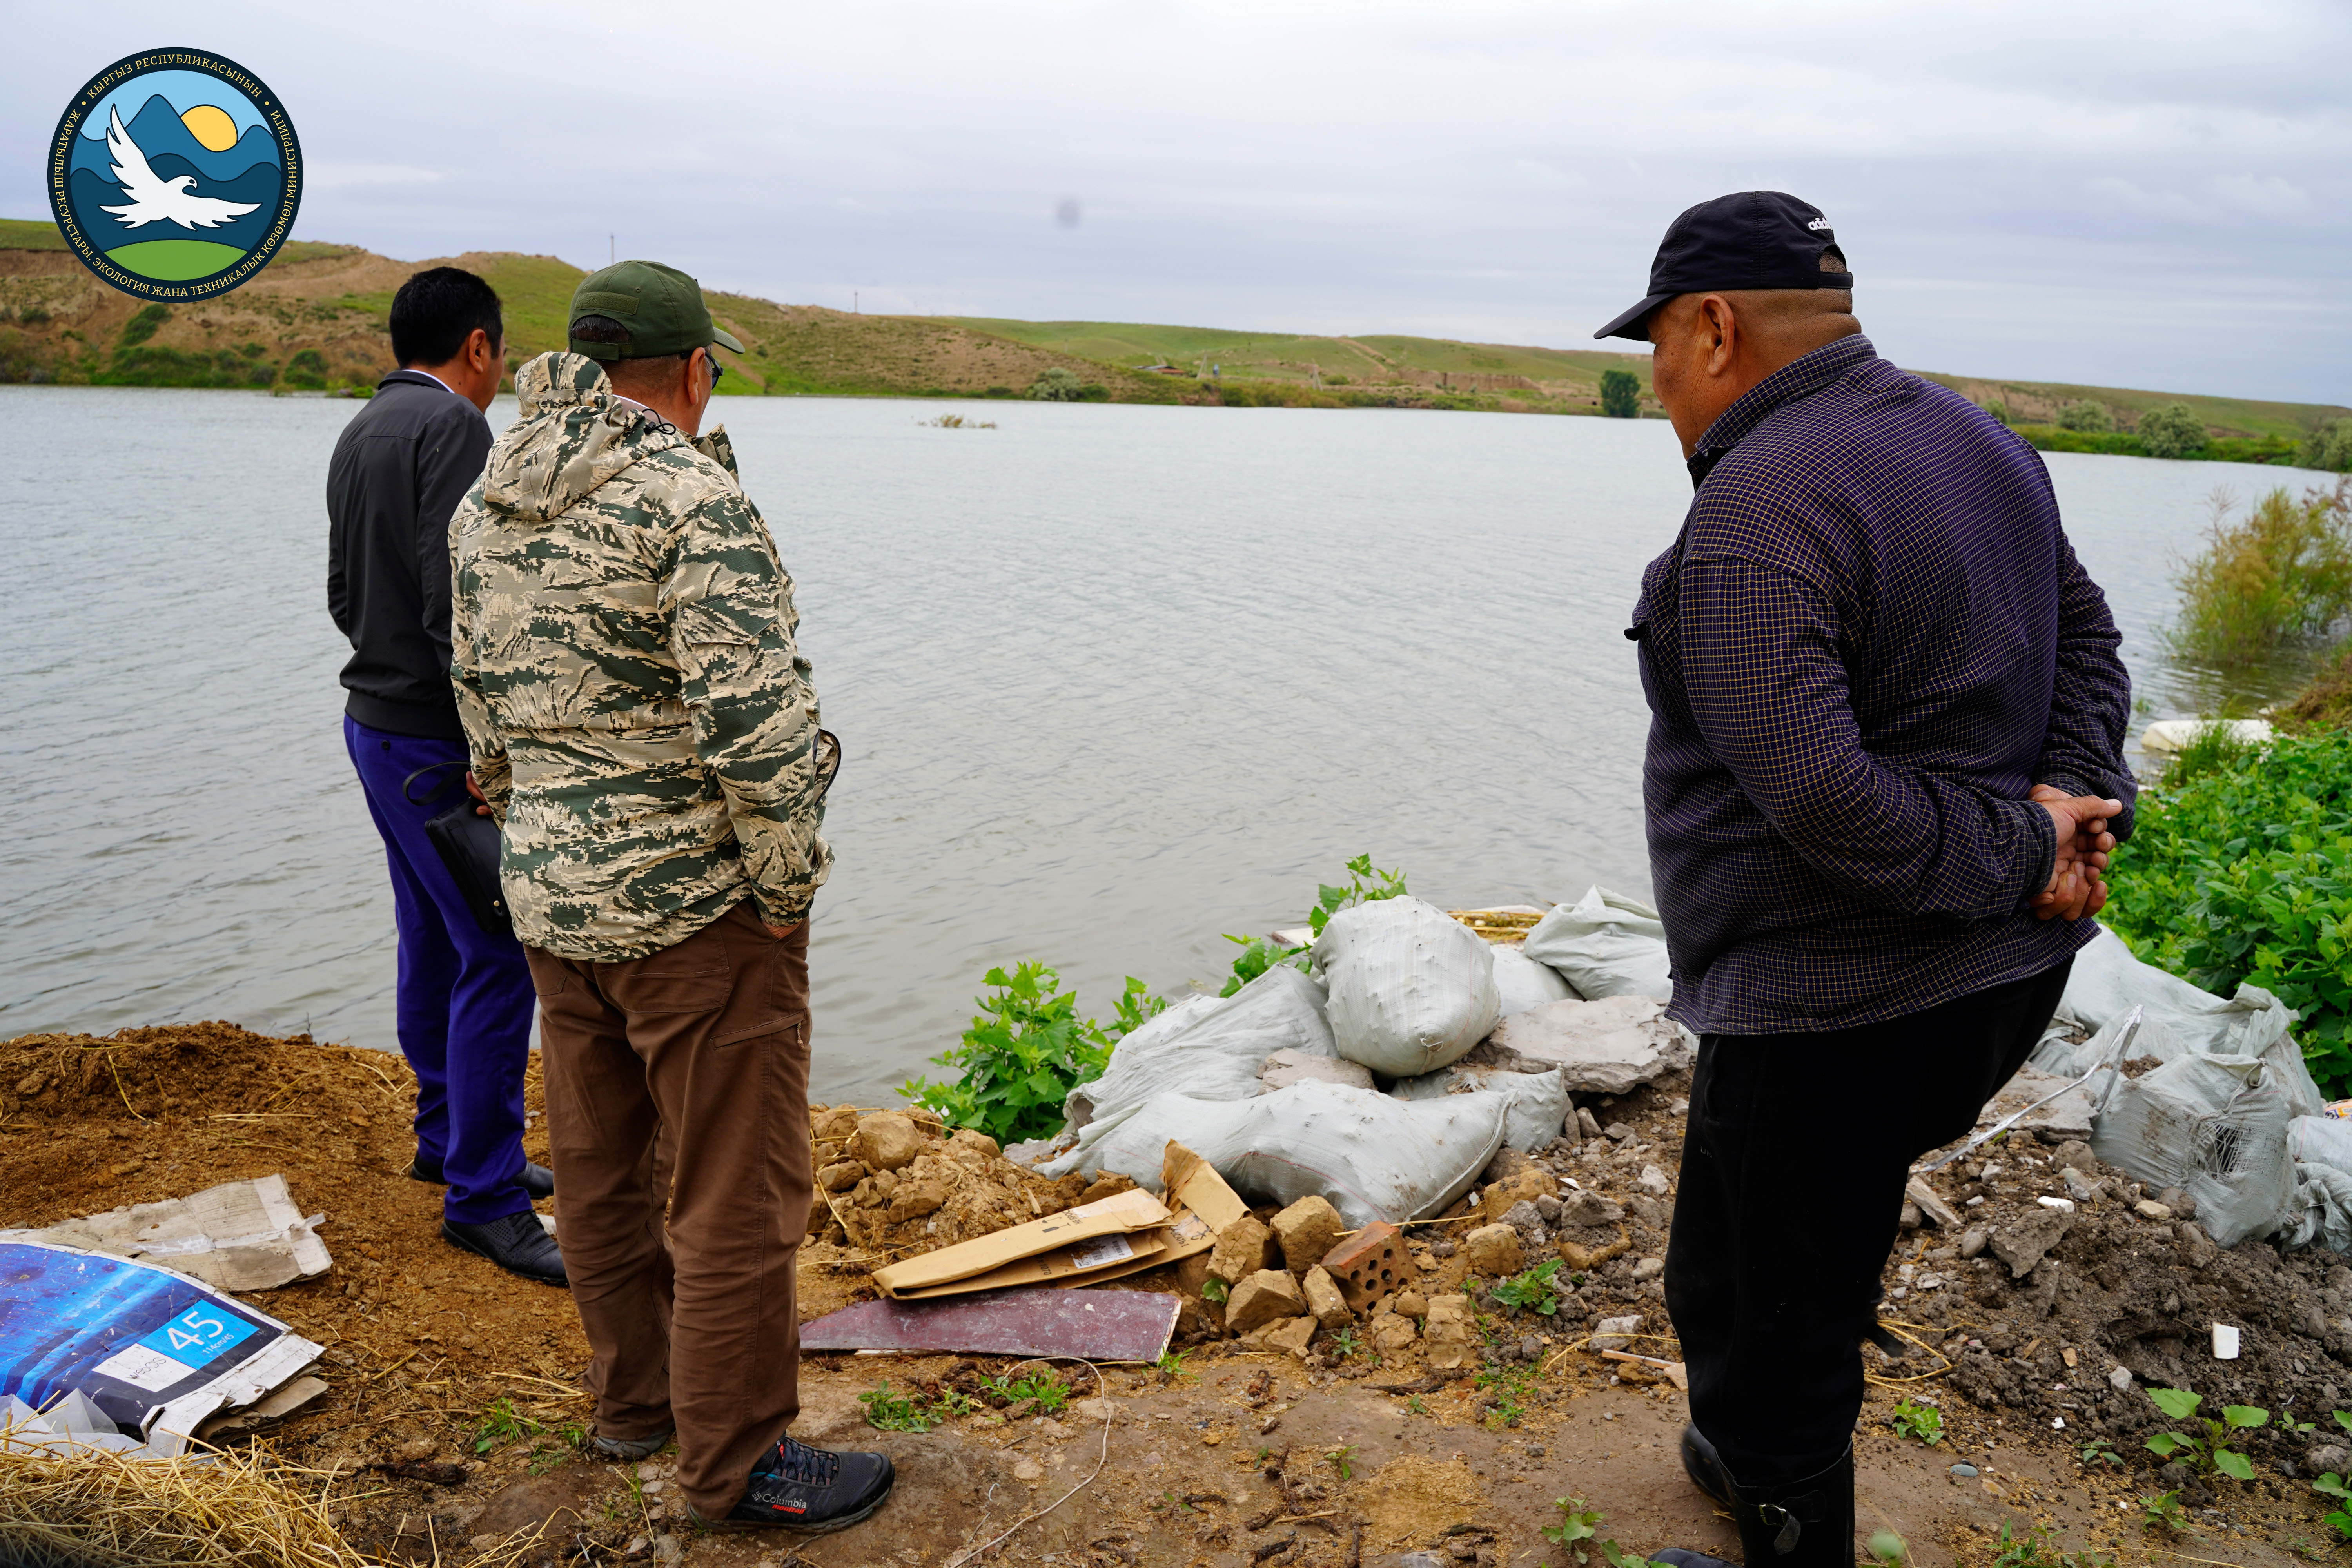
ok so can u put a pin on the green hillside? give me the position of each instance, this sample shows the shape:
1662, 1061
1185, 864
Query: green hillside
316, 319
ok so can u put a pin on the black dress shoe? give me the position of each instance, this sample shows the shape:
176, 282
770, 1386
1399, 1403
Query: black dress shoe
536, 1180
813, 1490
517, 1243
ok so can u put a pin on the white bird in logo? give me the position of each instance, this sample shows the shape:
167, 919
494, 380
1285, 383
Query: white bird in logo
157, 200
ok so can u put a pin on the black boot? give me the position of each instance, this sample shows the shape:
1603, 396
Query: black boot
517, 1243
1804, 1524
813, 1490
1705, 1468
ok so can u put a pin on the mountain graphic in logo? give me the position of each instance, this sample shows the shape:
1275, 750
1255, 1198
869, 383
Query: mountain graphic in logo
175, 174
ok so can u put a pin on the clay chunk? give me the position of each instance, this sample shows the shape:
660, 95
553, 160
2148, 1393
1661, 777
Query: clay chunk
1259, 1300
1307, 1231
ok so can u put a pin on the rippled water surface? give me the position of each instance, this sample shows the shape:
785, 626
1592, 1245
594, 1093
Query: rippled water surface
1112, 681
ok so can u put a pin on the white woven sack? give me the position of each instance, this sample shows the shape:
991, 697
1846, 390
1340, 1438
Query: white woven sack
1212, 1052
2212, 1126
1524, 983
1605, 944
1411, 987
1371, 1156
1539, 1100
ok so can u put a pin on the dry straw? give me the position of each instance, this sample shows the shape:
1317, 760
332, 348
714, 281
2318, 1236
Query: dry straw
101, 1509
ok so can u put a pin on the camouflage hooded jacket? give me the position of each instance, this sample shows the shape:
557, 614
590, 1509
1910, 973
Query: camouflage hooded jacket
640, 721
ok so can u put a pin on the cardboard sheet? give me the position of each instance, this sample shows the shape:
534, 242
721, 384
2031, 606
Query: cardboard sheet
1118, 1235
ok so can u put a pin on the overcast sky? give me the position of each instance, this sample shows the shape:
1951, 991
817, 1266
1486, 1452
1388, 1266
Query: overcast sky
2147, 195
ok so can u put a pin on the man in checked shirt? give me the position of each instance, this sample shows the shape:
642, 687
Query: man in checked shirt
1885, 769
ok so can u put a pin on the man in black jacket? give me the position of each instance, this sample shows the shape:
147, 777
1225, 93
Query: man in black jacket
464, 994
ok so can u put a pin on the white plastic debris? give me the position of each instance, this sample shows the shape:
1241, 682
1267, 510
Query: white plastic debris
239, 1235
1539, 1100
1412, 988
1605, 944
1371, 1156
2063, 1206
2225, 1342
2167, 735
1524, 983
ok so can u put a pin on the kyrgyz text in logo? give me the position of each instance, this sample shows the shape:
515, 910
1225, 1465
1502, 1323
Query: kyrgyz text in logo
174, 174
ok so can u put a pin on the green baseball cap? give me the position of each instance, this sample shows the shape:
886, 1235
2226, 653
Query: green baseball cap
661, 306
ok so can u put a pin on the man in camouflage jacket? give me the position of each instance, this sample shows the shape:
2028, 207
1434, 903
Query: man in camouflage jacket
644, 730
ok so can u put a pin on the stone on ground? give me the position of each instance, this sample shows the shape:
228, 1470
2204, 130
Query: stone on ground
1307, 1231
1292, 1335
1494, 1250
1243, 1248
2023, 1245
1527, 1185
1610, 1047
1449, 1331
1263, 1297
888, 1140
1324, 1302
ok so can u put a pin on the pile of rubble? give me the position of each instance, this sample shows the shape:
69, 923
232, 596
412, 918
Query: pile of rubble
897, 1183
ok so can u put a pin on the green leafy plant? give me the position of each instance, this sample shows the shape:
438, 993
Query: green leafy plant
1578, 1523
2100, 1448
1170, 1365
1510, 1388
2244, 876
1023, 1054
1258, 956
1924, 1422
2211, 1454
2339, 1519
502, 1424
2084, 414
1345, 1345
1365, 886
1887, 1549
1416, 1407
2163, 1510
1342, 1459
1532, 1291
1049, 1391
888, 1412
2033, 1549
1620, 392
1215, 1289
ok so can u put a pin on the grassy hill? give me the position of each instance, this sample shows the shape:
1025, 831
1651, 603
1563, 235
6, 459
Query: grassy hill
315, 320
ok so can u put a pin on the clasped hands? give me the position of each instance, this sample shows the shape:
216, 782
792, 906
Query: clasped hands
2078, 885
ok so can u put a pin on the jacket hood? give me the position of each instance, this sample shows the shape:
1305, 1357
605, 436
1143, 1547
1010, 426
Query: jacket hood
574, 434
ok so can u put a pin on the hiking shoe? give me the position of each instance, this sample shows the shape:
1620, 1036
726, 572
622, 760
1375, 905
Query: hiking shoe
813, 1490
517, 1243
536, 1180
633, 1447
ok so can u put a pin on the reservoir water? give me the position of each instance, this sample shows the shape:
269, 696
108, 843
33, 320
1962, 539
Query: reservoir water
1112, 681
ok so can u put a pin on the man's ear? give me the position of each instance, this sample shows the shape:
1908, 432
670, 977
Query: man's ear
1722, 326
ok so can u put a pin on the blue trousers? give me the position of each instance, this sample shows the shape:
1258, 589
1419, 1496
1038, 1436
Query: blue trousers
465, 997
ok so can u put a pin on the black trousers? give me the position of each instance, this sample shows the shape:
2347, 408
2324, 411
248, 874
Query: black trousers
1793, 1167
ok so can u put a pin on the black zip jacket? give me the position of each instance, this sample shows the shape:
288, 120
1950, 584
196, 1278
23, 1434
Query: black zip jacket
402, 465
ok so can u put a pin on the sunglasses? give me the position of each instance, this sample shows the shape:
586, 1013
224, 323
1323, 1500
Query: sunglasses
716, 370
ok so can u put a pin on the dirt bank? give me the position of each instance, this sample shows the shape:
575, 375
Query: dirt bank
457, 1383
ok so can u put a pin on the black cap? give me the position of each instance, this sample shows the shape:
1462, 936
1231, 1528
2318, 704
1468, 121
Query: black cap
1751, 239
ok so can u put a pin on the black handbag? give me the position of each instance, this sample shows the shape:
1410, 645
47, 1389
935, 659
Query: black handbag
468, 847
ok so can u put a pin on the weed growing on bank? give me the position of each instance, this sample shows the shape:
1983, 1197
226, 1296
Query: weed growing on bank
1024, 1053
2280, 575
2243, 872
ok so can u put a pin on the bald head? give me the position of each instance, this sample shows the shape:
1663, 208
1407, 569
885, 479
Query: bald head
1707, 349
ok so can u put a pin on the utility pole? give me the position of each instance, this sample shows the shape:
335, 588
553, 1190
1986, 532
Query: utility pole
852, 301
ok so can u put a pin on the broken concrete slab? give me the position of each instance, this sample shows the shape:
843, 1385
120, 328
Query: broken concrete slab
2065, 1118
1098, 1325
1610, 1047
239, 1235
2025, 1243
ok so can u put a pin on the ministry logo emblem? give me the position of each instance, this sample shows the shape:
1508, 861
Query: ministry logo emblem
174, 174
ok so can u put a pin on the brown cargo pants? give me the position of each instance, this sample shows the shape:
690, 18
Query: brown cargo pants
702, 1048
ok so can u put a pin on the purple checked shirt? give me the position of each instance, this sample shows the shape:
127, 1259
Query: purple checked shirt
1869, 642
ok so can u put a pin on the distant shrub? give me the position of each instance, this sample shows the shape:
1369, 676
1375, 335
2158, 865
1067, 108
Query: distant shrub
2328, 448
998, 392
307, 370
2084, 414
2282, 572
1621, 394
2171, 431
1057, 385
32, 315
1334, 381
1999, 410
141, 326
